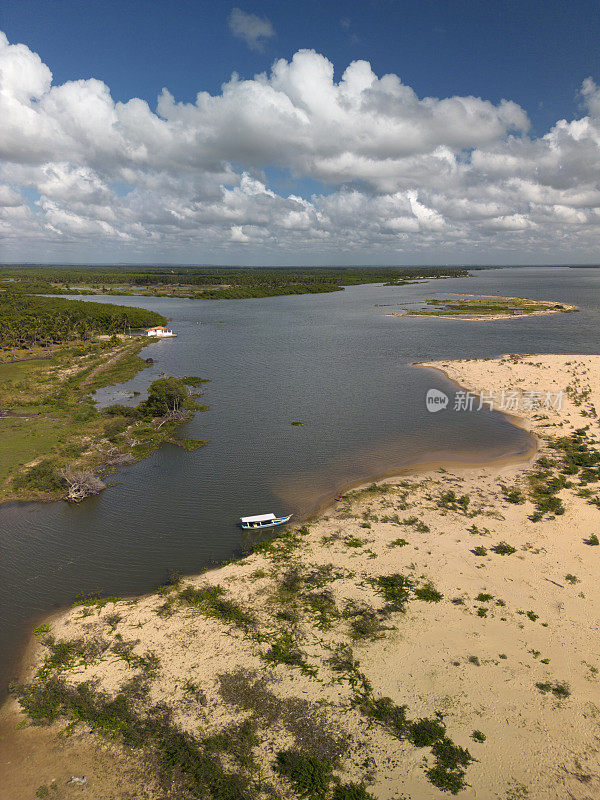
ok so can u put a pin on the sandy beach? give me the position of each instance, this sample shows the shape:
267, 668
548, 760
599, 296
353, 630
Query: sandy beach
431, 634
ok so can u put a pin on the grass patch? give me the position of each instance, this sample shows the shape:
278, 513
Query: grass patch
428, 593
416, 523
559, 690
311, 777
285, 650
311, 728
512, 494
503, 549
210, 601
181, 762
365, 623
395, 590
449, 500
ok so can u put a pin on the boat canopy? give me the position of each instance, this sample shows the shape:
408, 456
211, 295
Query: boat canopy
260, 518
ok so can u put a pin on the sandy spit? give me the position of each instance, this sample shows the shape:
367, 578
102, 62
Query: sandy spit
504, 623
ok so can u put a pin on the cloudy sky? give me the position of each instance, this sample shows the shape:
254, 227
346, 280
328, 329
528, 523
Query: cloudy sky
285, 133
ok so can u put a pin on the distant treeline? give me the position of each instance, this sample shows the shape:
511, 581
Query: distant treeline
211, 283
26, 320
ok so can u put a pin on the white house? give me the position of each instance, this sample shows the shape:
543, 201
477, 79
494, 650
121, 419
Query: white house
160, 331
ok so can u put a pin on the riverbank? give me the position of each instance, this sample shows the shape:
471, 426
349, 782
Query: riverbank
49, 424
433, 633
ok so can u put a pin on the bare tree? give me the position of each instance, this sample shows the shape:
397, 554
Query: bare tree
174, 414
81, 483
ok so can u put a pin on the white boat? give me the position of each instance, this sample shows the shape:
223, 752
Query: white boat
263, 521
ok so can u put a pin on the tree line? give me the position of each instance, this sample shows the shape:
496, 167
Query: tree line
27, 320
227, 282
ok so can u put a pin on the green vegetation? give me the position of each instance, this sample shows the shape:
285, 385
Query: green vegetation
28, 321
450, 501
395, 590
513, 494
503, 549
309, 776
559, 690
285, 650
428, 593
487, 306
365, 623
416, 523
573, 458
49, 418
178, 758
209, 600
450, 760
42, 477
208, 283
398, 543
164, 395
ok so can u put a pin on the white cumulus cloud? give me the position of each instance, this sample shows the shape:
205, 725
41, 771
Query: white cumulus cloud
402, 177
254, 30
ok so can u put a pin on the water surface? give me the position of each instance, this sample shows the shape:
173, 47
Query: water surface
334, 361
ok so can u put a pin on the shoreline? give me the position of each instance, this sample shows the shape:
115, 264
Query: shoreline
30, 643
421, 626
101, 443
325, 503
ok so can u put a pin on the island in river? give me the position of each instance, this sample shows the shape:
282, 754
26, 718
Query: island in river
436, 633
476, 308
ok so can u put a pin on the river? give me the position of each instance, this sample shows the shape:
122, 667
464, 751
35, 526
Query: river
333, 361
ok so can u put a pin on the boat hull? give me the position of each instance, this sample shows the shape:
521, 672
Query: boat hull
259, 526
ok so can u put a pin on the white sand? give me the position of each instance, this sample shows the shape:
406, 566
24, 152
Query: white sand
478, 671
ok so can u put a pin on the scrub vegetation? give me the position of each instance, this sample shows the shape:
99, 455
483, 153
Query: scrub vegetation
54, 443
475, 307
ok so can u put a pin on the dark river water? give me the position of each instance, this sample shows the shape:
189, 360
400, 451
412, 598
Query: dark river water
334, 361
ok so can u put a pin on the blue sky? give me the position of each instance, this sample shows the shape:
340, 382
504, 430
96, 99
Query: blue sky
533, 54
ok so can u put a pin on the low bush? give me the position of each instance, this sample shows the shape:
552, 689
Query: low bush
559, 690
42, 477
428, 593
311, 777
209, 600
395, 589
503, 549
